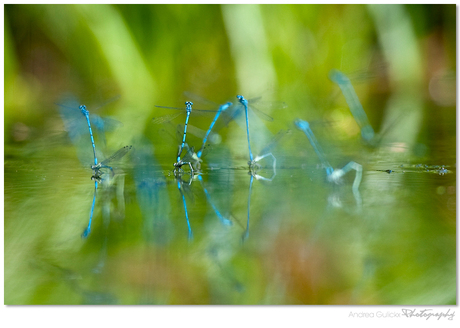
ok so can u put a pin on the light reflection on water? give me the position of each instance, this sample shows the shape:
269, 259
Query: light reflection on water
308, 242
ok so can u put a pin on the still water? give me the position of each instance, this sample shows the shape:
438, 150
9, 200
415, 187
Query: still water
234, 238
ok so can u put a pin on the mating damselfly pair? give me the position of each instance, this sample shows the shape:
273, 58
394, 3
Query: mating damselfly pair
230, 111
80, 125
72, 114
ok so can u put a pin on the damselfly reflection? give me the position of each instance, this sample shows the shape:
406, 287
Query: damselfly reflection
246, 232
98, 178
77, 120
152, 195
183, 187
180, 186
266, 152
254, 166
332, 175
222, 219
88, 228
112, 200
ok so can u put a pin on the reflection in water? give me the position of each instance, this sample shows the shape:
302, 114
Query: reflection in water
180, 186
86, 232
254, 167
107, 180
112, 195
310, 243
336, 175
246, 232
152, 195
222, 219
80, 131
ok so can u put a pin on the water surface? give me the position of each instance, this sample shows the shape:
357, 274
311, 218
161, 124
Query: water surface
308, 241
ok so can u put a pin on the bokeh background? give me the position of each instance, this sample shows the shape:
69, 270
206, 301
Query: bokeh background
308, 245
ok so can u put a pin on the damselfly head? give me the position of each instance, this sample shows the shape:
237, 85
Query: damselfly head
242, 101
225, 106
188, 106
338, 77
301, 124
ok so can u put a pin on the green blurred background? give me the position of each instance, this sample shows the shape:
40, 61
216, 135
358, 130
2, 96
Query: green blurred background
150, 54
401, 60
